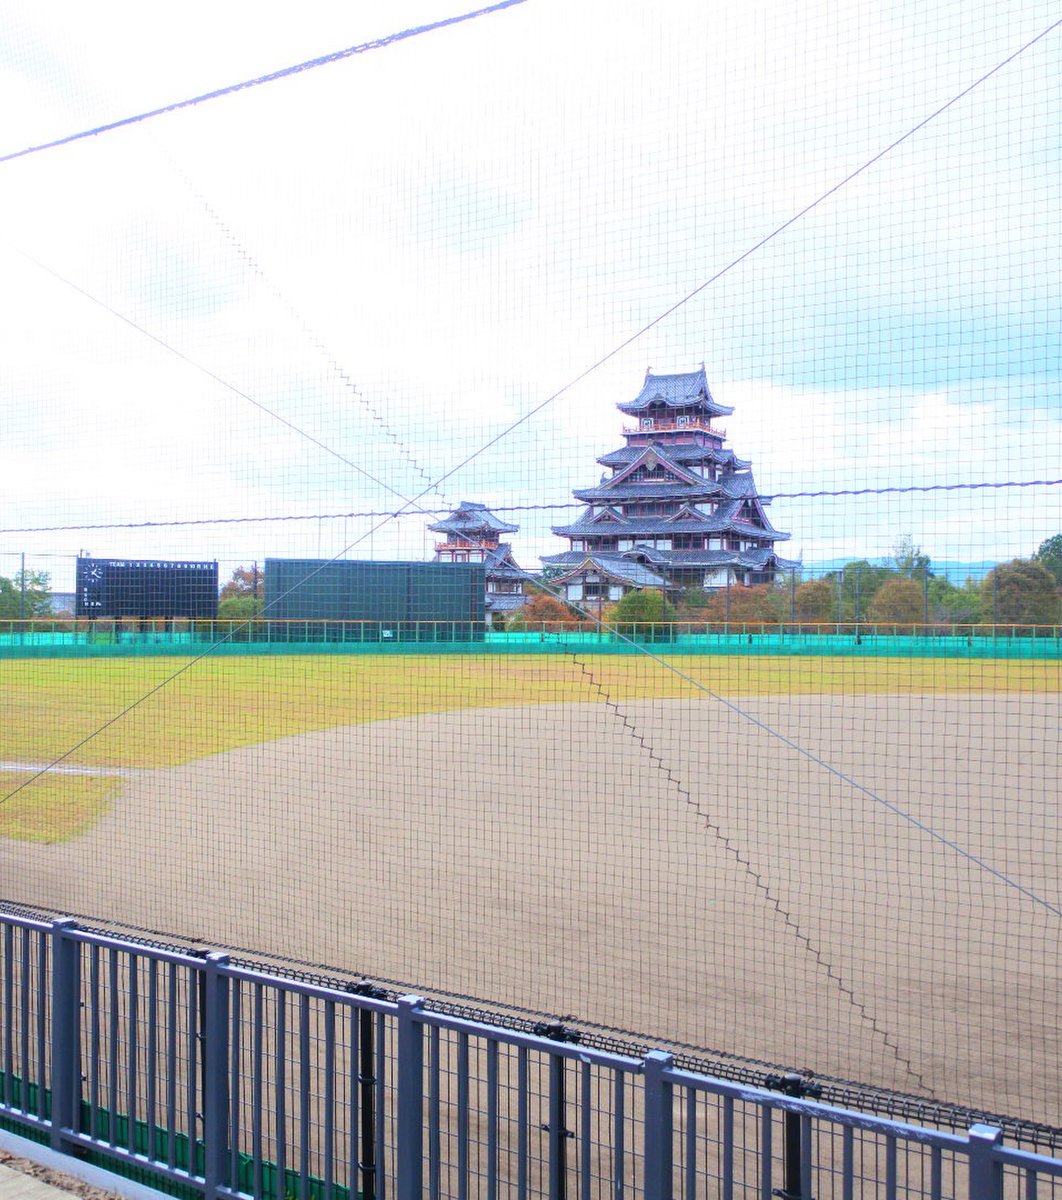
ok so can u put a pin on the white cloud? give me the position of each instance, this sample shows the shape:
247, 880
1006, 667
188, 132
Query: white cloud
458, 226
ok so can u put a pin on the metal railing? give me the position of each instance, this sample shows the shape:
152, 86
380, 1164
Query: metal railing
48, 635
208, 1078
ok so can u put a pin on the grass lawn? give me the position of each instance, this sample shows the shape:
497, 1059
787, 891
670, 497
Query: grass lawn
52, 808
144, 712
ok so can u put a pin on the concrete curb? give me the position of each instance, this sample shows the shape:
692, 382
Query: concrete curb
45, 1156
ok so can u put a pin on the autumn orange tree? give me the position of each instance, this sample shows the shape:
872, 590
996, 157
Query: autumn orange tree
898, 602
758, 605
543, 610
814, 601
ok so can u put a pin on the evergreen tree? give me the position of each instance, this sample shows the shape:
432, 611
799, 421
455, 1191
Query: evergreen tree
641, 613
1049, 556
1020, 592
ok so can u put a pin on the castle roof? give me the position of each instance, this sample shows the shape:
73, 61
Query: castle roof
618, 493
667, 560
685, 453
505, 601
691, 520
624, 569
635, 527
739, 485
471, 518
683, 480
687, 390
500, 564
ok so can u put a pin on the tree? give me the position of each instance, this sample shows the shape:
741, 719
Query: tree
815, 600
27, 595
909, 560
645, 615
859, 581
644, 604
1021, 592
955, 605
239, 608
897, 602
245, 581
761, 604
543, 610
692, 602
1049, 556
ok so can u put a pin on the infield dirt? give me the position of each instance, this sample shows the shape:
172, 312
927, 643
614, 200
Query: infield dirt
668, 867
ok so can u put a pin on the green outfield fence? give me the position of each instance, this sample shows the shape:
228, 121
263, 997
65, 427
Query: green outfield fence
45, 638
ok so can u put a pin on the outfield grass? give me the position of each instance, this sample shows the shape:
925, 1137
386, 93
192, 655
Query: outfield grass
52, 808
56, 706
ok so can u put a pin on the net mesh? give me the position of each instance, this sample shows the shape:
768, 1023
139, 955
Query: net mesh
760, 753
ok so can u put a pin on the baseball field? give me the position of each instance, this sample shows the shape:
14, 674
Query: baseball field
850, 865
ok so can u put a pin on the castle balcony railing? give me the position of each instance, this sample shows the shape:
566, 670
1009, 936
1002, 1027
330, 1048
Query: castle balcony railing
662, 426
465, 547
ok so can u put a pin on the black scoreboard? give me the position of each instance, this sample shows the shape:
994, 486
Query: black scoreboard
344, 590
145, 588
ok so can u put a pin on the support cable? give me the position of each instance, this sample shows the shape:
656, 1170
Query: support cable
511, 508
735, 708
232, 88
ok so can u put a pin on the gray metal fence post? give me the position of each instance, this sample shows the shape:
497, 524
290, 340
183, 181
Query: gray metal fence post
410, 1131
557, 1126
797, 1147
215, 1073
986, 1175
658, 1126
66, 1031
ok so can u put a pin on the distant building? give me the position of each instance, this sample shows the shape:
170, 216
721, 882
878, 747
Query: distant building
675, 510
473, 535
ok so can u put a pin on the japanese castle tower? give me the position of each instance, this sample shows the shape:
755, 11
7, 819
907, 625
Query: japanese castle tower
675, 509
473, 534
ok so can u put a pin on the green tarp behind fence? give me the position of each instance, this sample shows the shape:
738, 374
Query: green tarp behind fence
454, 638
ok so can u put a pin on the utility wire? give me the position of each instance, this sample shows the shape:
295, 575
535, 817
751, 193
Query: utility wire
605, 358
407, 505
763, 241
510, 508
232, 88
735, 708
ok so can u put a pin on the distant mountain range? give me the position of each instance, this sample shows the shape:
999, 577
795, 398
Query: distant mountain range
954, 571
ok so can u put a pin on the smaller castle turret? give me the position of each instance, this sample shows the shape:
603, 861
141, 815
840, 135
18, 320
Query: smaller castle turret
472, 534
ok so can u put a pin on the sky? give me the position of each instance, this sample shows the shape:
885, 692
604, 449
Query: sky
343, 292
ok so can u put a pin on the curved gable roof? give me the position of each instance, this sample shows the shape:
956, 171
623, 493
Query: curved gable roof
676, 391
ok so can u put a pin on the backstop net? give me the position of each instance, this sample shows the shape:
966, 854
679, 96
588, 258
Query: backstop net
553, 505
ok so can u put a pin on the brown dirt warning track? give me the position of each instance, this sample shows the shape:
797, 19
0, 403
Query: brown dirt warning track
667, 867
